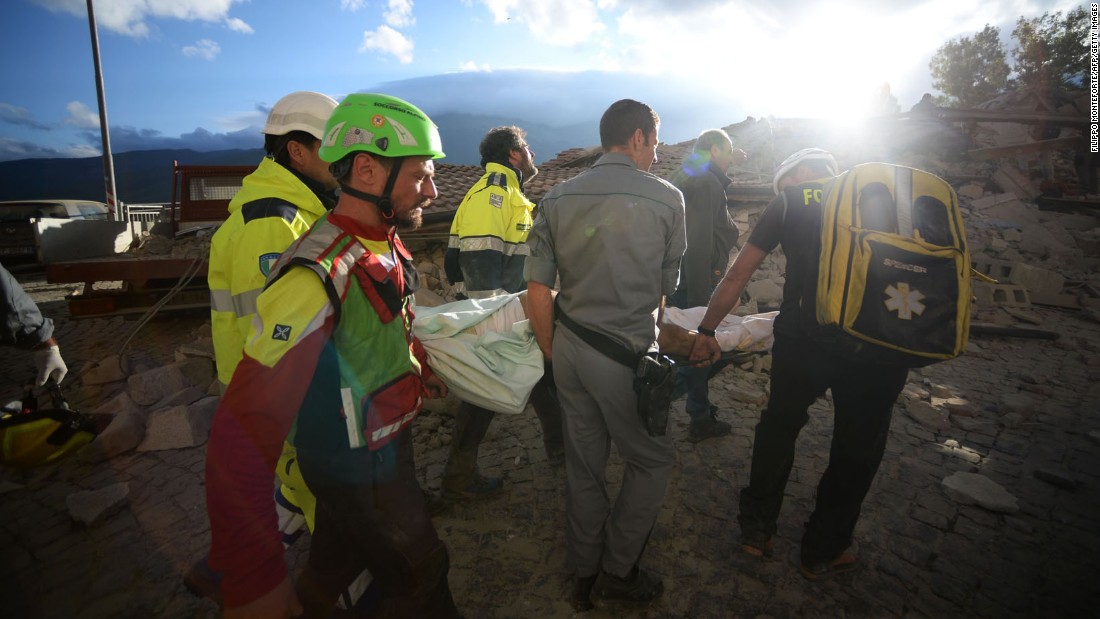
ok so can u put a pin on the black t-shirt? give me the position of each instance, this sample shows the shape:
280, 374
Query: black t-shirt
793, 220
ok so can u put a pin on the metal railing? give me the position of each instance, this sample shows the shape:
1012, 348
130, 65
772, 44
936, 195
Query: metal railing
144, 213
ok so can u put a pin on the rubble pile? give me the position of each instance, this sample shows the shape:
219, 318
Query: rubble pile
194, 245
154, 408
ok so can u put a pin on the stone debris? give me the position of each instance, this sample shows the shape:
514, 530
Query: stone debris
153, 385
1056, 476
106, 371
124, 433
927, 415
181, 398
974, 489
203, 347
91, 507
179, 426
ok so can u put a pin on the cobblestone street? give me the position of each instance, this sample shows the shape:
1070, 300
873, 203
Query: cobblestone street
1024, 413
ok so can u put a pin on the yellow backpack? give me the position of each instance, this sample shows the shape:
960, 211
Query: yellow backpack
893, 281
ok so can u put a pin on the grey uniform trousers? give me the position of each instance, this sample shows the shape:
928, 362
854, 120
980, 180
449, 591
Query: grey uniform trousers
599, 406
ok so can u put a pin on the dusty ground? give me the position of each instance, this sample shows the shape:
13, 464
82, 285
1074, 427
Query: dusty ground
1034, 406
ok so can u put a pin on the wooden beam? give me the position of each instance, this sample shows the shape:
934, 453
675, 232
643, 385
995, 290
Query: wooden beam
1004, 116
1068, 205
994, 152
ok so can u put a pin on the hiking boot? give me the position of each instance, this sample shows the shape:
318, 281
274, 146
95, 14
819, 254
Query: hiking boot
481, 488
708, 427
581, 599
638, 586
820, 570
202, 581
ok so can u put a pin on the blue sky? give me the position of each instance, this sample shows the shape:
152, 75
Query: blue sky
202, 73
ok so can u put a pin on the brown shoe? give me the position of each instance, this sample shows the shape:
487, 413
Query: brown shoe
845, 562
202, 581
758, 545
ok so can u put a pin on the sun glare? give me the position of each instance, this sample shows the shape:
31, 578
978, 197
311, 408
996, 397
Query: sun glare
835, 61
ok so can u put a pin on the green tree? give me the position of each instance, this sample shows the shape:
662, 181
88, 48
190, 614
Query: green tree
969, 70
1052, 51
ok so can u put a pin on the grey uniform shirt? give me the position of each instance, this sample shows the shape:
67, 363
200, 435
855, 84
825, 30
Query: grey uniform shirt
615, 236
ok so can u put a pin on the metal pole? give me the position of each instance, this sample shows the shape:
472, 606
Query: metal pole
108, 160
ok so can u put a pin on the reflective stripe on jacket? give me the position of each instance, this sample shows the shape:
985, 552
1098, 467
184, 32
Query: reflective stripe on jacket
272, 209
378, 360
488, 243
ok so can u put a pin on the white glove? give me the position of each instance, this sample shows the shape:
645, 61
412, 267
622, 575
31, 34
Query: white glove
50, 364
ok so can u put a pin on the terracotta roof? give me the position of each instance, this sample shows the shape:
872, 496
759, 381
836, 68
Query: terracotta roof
453, 181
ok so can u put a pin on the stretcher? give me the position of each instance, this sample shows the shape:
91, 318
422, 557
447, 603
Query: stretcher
485, 350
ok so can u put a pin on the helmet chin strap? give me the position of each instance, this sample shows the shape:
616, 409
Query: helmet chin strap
384, 203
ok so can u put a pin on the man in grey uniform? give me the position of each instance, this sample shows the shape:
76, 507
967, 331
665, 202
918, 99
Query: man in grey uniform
615, 235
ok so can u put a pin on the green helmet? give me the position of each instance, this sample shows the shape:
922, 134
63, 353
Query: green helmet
382, 125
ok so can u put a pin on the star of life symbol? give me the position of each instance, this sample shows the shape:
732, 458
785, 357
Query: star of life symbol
904, 301
281, 332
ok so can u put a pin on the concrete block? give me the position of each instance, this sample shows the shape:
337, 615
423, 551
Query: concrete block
124, 433
203, 347
106, 371
1000, 295
926, 415
974, 489
184, 397
1036, 280
121, 403
177, 427
92, 507
973, 191
199, 371
149, 387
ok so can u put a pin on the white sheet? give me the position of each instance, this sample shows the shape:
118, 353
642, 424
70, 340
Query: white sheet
483, 349
749, 333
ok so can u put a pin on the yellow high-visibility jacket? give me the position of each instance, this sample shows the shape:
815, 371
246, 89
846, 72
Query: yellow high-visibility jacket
273, 208
488, 241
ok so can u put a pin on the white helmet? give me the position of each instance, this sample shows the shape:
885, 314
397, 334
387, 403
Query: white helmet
300, 111
802, 156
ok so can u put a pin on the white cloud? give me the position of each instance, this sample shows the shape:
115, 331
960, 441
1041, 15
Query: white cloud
81, 117
399, 14
82, 150
352, 5
470, 65
237, 121
388, 41
15, 115
130, 17
238, 25
203, 48
556, 22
